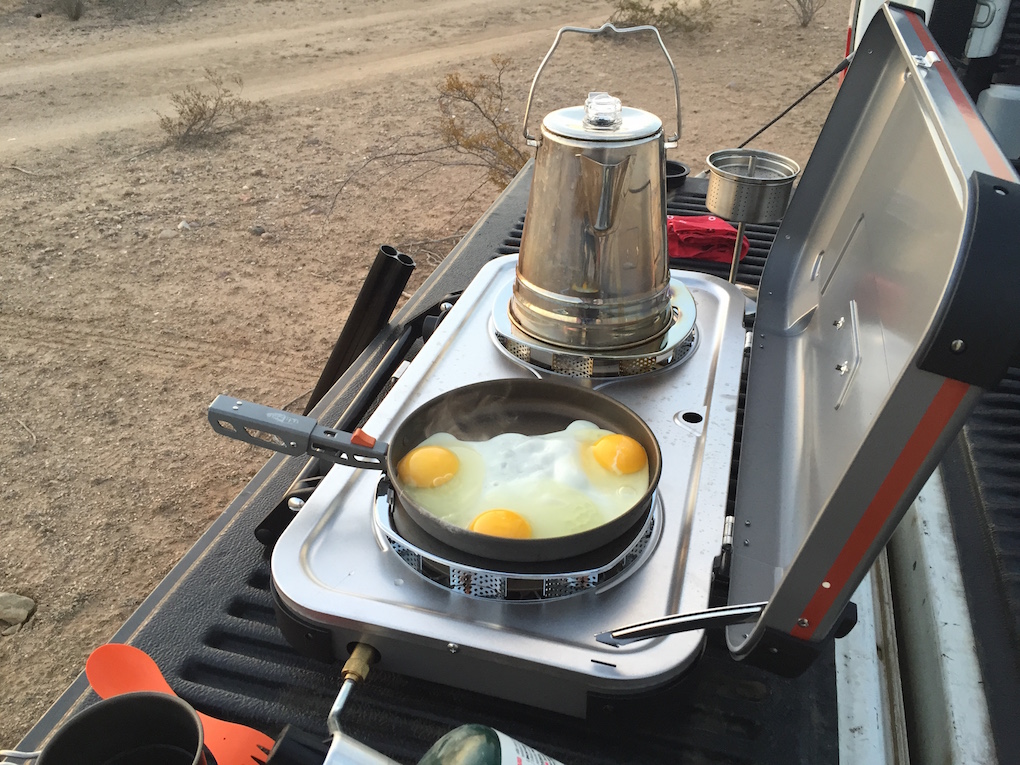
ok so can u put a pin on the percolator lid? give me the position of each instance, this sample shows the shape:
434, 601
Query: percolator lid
602, 118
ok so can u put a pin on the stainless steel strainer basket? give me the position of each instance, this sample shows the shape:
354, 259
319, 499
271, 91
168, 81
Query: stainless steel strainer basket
749, 185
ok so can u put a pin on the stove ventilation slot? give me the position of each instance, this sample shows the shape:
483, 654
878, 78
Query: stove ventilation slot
572, 366
637, 552
478, 583
520, 350
559, 587
495, 584
636, 366
409, 556
599, 366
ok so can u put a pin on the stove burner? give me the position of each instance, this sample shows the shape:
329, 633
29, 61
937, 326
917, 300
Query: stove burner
497, 580
670, 348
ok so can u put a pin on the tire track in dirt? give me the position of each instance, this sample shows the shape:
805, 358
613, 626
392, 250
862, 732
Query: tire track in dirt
151, 56
162, 347
82, 118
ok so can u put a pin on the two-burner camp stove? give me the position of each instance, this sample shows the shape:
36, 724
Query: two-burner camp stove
887, 305
527, 631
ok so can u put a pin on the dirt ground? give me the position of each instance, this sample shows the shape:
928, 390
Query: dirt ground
132, 286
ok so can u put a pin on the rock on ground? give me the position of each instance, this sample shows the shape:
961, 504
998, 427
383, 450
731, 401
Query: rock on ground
14, 610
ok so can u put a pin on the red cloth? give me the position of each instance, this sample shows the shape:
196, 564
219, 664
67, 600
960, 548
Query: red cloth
702, 237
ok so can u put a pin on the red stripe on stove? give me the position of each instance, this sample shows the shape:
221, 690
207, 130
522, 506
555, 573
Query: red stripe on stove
986, 143
941, 410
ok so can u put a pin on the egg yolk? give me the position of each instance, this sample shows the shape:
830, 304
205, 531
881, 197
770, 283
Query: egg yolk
619, 454
428, 467
501, 523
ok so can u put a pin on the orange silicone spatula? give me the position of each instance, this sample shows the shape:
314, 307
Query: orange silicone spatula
115, 668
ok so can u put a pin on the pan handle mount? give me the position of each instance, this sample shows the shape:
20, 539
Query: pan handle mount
293, 434
670, 625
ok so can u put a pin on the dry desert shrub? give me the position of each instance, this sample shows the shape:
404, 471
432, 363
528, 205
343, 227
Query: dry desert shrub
688, 18
805, 9
476, 122
476, 130
203, 115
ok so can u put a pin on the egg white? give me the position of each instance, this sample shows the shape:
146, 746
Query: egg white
550, 480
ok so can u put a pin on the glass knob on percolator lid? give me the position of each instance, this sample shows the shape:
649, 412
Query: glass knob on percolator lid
602, 110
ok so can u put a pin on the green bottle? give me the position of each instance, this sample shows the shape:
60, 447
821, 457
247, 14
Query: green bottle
481, 745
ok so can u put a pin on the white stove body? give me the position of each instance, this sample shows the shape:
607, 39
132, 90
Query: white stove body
333, 566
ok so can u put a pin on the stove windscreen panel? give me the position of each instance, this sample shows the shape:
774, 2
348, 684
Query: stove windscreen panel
844, 421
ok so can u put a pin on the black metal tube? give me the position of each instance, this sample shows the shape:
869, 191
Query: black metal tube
273, 525
372, 309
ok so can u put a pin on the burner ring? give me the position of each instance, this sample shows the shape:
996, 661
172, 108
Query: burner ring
670, 348
517, 585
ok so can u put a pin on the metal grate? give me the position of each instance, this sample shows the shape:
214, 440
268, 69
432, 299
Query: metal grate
512, 244
760, 236
991, 433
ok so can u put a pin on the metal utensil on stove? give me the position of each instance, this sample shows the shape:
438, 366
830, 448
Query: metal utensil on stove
749, 186
671, 625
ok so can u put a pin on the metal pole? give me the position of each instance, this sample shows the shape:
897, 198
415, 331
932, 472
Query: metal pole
736, 252
372, 309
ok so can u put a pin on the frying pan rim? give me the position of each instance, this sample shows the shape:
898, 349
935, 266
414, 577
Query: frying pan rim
555, 395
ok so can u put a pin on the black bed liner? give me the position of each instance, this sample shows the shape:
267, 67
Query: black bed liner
212, 629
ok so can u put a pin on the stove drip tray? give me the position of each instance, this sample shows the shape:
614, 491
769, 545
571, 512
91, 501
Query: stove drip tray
669, 348
499, 580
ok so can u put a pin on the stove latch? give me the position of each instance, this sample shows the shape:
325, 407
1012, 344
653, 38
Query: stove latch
927, 61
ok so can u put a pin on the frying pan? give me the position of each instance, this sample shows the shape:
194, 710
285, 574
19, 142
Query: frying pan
474, 412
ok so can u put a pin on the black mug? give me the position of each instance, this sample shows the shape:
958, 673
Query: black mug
131, 729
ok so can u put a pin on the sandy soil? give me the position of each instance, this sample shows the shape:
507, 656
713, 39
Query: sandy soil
118, 324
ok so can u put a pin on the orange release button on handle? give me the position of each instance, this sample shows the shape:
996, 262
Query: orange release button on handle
361, 438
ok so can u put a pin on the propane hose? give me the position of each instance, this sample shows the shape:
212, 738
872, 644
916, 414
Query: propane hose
344, 750
298, 747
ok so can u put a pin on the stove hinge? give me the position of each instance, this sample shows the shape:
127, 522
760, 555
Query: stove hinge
721, 564
727, 535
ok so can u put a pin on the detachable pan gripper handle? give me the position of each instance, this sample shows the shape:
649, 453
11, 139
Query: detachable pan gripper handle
293, 434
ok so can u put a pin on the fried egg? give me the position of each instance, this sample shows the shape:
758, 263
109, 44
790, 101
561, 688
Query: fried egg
521, 486
501, 523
